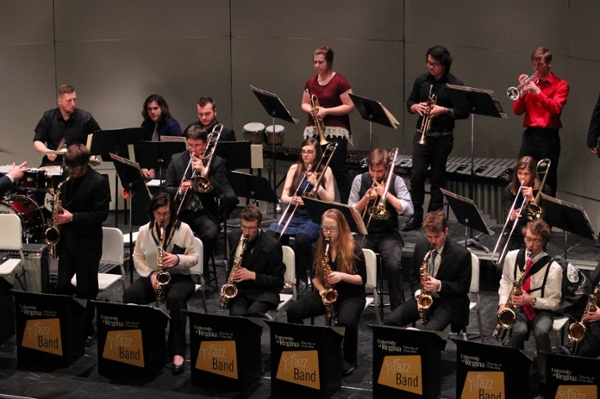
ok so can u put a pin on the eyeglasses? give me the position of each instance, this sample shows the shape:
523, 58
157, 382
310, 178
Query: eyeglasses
162, 214
535, 241
308, 152
329, 228
432, 64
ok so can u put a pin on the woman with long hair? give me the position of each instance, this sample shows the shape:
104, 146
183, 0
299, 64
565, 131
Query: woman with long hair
300, 180
342, 268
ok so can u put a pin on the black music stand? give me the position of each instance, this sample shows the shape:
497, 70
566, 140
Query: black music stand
275, 108
568, 217
480, 102
132, 179
236, 153
156, 154
316, 208
468, 215
256, 188
373, 111
103, 142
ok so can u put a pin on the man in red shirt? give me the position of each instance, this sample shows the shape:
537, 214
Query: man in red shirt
542, 101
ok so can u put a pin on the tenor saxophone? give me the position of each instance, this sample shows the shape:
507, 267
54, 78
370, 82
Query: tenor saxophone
229, 290
578, 330
330, 295
163, 277
52, 233
424, 300
507, 317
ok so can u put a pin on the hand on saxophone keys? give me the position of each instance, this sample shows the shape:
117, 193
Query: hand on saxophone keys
334, 277
523, 299
243, 274
64, 217
592, 316
432, 284
169, 260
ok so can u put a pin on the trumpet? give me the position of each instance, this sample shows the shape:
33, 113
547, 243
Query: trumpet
379, 212
534, 210
515, 92
426, 122
319, 124
499, 260
330, 147
201, 183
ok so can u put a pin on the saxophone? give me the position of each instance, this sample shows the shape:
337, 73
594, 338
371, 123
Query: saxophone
578, 330
424, 300
426, 121
506, 317
163, 277
52, 233
330, 295
230, 290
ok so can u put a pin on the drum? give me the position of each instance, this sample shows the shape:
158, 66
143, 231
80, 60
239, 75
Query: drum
253, 132
30, 213
34, 179
276, 138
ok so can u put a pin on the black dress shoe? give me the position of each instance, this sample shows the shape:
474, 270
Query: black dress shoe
346, 373
412, 224
178, 369
90, 340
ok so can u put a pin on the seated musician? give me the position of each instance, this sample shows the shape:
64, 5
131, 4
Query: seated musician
178, 257
15, 173
590, 344
447, 278
524, 176
297, 182
259, 277
342, 269
541, 290
201, 211
383, 237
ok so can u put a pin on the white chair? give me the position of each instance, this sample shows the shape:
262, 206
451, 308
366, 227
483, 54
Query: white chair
559, 328
371, 284
474, 290
198, 271
10, 239
112, 254
289, 258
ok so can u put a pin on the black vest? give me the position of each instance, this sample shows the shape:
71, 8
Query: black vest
380, 226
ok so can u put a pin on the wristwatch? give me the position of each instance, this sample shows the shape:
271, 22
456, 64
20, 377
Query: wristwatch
534, 301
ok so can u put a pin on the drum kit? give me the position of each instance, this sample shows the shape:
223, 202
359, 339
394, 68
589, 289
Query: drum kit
256, 133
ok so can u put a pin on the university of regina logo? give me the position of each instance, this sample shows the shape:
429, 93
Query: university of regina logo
483, 384
300, 367
124, 346
218, 357
43, 335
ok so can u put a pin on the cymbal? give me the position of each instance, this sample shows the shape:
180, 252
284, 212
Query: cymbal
58, 152
6, 151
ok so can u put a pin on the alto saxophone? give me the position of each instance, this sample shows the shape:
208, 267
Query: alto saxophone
163, 277
578, 330
330, 295
507, 317
426, 122
52, 233
424, 300
230, 290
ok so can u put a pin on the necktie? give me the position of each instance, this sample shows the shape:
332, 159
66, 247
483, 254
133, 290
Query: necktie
528, 309
432, 262
155, 134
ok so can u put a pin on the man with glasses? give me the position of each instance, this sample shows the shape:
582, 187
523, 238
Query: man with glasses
542, 101
202, 211
439, 138
259, 277
541, 290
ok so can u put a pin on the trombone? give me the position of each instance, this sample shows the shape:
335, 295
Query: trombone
534, 210
499, 261
290, 204
515, 92
378, 211
319, 124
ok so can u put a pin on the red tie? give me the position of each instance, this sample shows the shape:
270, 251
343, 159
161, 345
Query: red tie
528, 309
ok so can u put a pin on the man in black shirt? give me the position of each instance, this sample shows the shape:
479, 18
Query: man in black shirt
63, 126
207, 119
439, 139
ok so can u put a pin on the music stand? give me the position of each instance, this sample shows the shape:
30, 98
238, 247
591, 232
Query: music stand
468, 215
373, 111
275, 108
256, 188
156, 154
316, 208
103, 142
568, 217
237, 154
131, 177
480, 102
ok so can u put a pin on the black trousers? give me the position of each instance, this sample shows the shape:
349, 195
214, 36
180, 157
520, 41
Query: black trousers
408, 313
339, 168
435, 153
540, 143
205, 228
241, 305
177, 292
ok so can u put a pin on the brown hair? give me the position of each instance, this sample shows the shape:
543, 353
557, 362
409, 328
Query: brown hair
252, 213
195, 132
379, 157
345, 246
541, 53
539, 228
524, 163
202, 101
158, 201
77, 155
64, 89
301, 170
162, 103
327, 52
435, 222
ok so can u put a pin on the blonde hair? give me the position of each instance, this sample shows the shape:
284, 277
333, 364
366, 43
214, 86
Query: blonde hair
344, 245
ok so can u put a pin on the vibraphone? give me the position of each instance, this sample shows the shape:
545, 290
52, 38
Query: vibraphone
491, 175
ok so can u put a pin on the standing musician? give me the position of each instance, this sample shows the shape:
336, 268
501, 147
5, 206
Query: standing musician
525, 177
63, 125
367, 191
342, 269
84, 201
439, 138
594, 129
334, 104
260, 276
201, 211
542, 101
298, 181
541, 290
590, 344
15, 173
179, 255
449, 270
207, 118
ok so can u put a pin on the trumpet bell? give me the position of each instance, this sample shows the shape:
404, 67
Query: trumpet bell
512, 93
